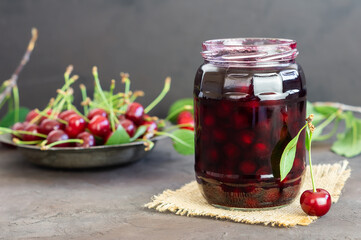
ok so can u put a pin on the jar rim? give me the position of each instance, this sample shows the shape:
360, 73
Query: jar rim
250, 51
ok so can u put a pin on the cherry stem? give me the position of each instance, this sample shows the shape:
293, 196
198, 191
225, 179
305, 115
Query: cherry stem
79, 113
341, 106
174, 113
17, 132
100, 90
172, 137
178, 126
16, 103
160, 97
310, 161
85, 97
18, 141
45, 147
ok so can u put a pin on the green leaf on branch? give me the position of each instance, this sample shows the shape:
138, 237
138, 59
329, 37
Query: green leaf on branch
119, 136
288, 155
183, 141
178, 105
349, 143
8, 120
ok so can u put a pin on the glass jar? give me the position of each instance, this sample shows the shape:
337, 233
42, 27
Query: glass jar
250, 101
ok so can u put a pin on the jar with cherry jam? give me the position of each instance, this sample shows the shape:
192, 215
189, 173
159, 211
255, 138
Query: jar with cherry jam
250, 101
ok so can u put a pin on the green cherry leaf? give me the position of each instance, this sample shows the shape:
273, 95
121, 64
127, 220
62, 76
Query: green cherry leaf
325, 110
349, 143
119, 136
140, 131
178, 105
288, 155
8, 120
183, 141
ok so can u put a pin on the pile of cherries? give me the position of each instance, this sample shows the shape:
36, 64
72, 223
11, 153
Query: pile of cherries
91, 130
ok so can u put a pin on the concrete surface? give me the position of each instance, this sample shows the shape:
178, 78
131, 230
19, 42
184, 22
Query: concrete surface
39, 203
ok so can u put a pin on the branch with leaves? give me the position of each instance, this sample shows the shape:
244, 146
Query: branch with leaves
9, 90
348, 142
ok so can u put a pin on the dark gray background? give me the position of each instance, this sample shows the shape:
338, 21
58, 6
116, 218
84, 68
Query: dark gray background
154, 39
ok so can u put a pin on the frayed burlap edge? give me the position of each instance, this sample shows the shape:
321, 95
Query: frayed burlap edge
188, 201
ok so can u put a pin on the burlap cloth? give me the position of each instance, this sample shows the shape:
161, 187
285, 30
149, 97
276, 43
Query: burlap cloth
188, 201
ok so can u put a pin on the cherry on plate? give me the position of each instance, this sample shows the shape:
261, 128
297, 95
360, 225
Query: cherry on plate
316, 203
66, 114
31, 115
135, 113
76, 124
49, 125
97, 111
99, 126
19, 126
88, 140
151, 127
31, 128
58, 135
129, 126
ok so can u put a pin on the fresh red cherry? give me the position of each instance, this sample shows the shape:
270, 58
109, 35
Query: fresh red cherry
151, 127
31, 128
316, 203
88, 140
99, 126
121, 117
128, 126
186, 118
31, 115
19, 126
135, 113
66, 114
76, 124
48, 113
58, 135
97, 111
49, 125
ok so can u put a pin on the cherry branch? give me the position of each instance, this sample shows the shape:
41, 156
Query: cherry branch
12, 82
341, 106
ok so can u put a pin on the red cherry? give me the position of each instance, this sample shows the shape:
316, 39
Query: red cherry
47, 113
316, 203
97, 111
99, 126
31, 128
121, 117
19, 126
49, 125
88, 140
135, 113
31, 115
128, 126
151, 127
76, 124
58, 135
66, 114
186, 118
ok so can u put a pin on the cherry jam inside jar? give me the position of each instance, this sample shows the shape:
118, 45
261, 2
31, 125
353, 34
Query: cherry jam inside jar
250, 101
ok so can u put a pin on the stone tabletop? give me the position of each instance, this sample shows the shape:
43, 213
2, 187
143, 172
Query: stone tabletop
41, 203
